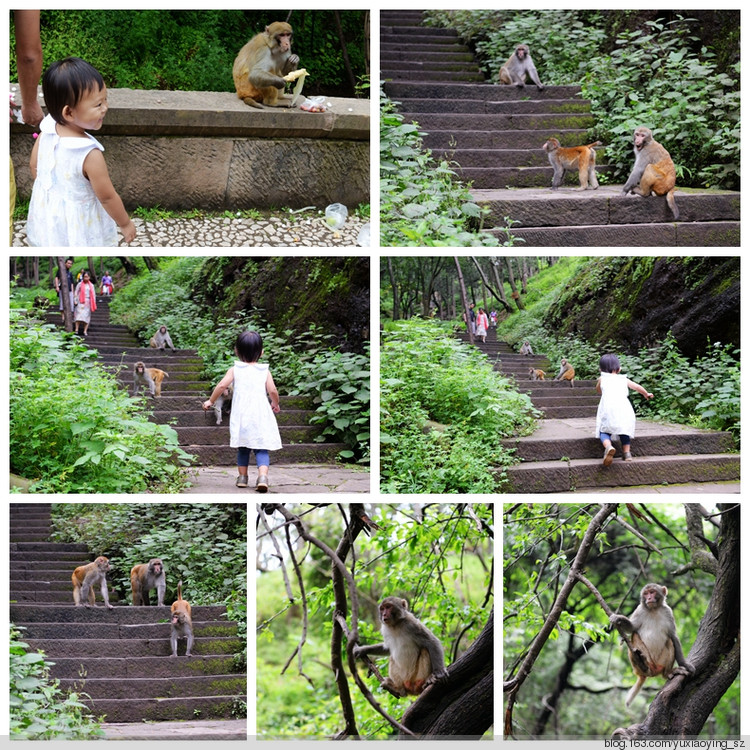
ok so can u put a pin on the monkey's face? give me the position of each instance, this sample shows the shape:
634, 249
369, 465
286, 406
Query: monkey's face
392, 610
551, 145
163, 329
522, 51
178, 618
102, 563
652, 597
155, 567
641, 137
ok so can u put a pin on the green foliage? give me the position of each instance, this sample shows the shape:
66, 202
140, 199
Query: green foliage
38, 708
194, 50
340, 382
693, 110
702, 393
450, 590
72, 429
428, 376
204, 545
659, 76
422, 204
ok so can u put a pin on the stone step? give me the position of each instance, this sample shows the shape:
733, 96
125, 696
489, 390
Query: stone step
200, 418
570, 475
187, 403
125, 616
164, 709
499, 122
143, 639
450, 91
416, 108
223, 455
218, 730
168, 687
430, 75
397, 53
212, 434
489, 177
574, 438
399, 68
415, 35
567, 208
492, 140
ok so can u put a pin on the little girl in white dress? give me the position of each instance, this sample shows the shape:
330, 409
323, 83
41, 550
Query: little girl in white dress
252, 425
73, 202
615, 415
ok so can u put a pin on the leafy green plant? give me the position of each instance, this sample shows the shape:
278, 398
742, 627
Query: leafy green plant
422, 203
72, 429
444, 411
341, 384
38, 708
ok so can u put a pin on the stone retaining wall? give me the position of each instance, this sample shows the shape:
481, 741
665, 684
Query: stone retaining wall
209, 150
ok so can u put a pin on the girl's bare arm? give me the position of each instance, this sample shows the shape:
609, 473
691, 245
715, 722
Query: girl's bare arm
273, 393
95, 170
224, 383
640, 389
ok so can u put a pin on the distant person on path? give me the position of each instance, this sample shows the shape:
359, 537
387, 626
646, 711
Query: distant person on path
493, 319
252, 425
85, 302
58, 284
73, 202
482, 325
107, 287
615, 415
473, 319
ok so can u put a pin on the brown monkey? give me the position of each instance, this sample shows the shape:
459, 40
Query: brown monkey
577, 158
161, 339
181, 622
654, 642
226, 396
261, 65
567, 372
85, 577
416, 655
145, 577
535, 374
653, 173
518, 66
148, 377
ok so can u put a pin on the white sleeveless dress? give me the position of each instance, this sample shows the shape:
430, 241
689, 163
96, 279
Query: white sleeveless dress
615, 414
252, 423
64, 211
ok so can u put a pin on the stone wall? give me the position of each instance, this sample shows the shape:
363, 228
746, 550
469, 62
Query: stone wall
209, 150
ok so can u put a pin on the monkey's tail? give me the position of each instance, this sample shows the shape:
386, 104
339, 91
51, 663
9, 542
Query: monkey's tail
634, 690
673, 205
179, 594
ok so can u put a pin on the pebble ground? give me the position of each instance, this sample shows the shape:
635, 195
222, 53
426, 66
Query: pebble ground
281, 230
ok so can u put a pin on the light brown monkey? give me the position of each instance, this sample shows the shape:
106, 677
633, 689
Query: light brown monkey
526, 349
148, 377
581, 159
535, 374
225, 397
161, 339
567, 372
181, 622
416, 655
518, 66
85, 577
654, 643
261, 65
145, 577
653, 172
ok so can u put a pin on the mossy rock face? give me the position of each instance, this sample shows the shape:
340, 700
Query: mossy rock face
635, 302
332, 293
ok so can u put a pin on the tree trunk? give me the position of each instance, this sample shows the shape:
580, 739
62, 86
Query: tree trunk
65, 292
464, 300
464, 705
498, 271
394, 287
128, 265
344, 51
512, 281
92, 268
151, 263
499, 297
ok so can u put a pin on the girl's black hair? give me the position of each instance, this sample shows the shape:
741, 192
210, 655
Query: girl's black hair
609, 363
249, 346
65, 83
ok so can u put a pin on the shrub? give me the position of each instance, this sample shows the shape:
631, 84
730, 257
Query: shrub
38, 708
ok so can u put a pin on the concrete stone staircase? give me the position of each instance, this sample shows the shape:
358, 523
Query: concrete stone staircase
495, 134
184, 391
119, 660
563, 455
